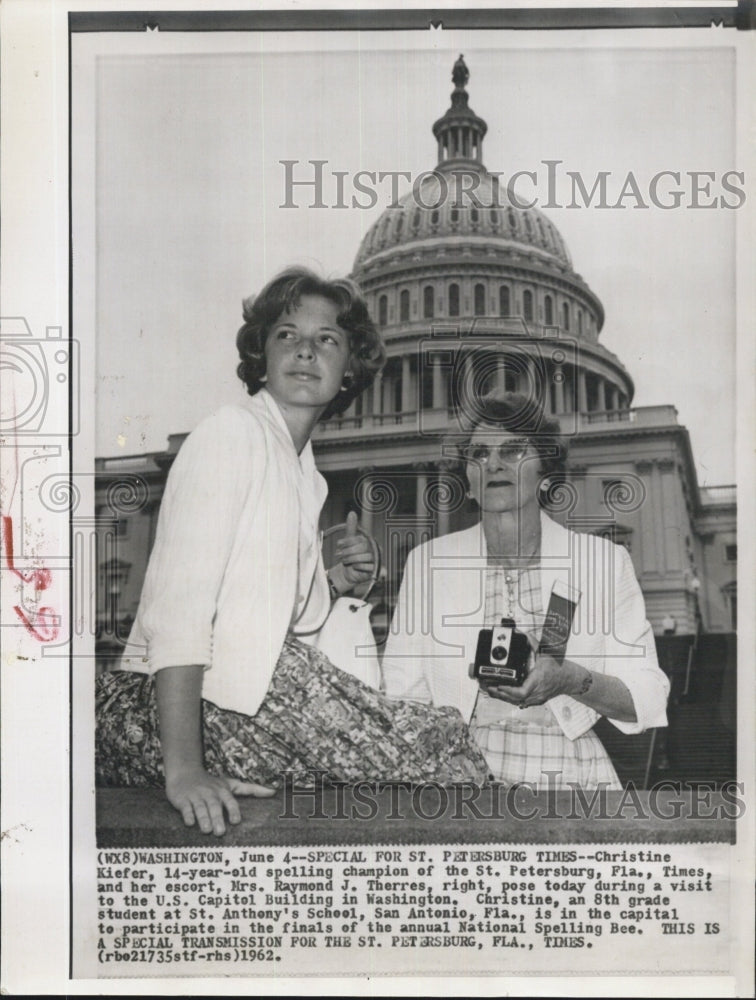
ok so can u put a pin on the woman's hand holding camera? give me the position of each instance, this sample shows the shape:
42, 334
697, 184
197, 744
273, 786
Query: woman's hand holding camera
546, 680
608, 695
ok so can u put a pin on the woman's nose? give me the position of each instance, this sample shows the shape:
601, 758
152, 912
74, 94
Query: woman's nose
305, 349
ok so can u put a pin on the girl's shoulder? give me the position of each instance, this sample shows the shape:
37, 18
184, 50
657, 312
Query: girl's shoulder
231, 437
234, 420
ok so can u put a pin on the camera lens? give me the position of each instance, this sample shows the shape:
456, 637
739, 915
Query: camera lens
499, 653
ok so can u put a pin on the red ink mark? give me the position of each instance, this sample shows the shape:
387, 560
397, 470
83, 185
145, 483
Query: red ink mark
43, 624
43, 630
41, 578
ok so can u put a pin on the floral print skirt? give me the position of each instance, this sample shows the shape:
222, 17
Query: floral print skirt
314, 717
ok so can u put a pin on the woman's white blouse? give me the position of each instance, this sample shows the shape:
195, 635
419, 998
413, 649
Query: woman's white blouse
237, 560
441, 607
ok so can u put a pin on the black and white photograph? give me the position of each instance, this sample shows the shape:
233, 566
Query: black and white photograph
371, 479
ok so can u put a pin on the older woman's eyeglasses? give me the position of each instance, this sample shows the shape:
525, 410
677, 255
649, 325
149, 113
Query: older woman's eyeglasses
505, 451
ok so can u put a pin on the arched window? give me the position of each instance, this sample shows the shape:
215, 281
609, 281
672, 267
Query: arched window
494, 217
566, 315
454, 216
399, 225
428, 302
527, 304
474, 215
480, 300
454, 299
434, 217
404, 305
416, 219
382, 310
548, 311
580, 320
504, 300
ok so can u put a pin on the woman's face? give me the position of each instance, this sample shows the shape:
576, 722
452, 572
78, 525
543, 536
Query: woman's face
503, 469
307, 354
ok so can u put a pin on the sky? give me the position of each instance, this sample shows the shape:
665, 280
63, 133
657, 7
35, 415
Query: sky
189, 132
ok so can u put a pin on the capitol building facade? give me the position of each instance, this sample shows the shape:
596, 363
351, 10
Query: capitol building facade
472, 292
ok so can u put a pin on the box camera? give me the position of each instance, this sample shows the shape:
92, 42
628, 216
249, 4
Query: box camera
501, 656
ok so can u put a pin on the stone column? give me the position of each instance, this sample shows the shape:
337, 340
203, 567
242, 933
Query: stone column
615, 398
601, 395
377, 394
661, 516
466, 382
420, 487
501, 372
560, 391
387, 402
439, 400
674, 515
582, 392
406, 384
445, 495
520, 376
366, 515
651, 544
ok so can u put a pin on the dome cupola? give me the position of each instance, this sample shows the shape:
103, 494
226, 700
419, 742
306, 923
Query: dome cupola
460, 132
460, 200
457, 252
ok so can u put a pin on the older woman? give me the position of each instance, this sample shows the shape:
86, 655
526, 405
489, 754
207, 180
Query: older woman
508, 566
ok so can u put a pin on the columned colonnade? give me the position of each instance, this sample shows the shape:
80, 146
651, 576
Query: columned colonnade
437, 494
565, 387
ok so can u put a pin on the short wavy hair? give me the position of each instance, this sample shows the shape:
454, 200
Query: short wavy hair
284, 292
523, 415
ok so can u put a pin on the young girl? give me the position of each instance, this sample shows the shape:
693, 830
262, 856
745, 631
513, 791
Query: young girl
227, 697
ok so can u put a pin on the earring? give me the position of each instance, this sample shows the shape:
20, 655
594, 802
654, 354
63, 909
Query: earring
263, 378
347, 383
545, 484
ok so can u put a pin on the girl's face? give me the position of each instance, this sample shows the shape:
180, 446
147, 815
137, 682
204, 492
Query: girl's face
307, 354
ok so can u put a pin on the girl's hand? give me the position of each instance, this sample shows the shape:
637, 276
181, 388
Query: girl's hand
202, 797
356, 554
